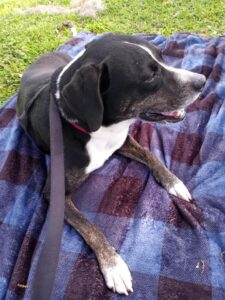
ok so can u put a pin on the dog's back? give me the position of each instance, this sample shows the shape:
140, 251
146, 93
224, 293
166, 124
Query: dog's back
37, 76
34, 92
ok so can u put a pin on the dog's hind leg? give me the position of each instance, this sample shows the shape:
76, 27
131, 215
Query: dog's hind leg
115, 271
167, 179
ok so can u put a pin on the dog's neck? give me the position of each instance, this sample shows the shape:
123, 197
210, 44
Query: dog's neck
55, 91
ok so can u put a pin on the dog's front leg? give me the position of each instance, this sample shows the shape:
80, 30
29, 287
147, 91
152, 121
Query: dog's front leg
115, 271
167, 179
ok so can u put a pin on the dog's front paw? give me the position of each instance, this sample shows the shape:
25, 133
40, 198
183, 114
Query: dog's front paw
171, 183
117, 275
178, 189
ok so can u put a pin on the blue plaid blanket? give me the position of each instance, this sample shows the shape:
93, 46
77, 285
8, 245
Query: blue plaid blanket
174, 249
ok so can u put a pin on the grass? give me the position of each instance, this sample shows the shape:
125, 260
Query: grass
25, 37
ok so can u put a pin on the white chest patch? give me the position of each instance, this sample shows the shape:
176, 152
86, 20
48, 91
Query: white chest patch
104, 142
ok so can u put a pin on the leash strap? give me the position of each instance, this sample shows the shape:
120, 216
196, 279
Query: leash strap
48, 260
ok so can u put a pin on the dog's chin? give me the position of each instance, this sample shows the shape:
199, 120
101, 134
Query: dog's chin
163, 117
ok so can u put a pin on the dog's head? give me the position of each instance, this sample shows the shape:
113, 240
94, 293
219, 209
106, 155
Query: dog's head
122, 77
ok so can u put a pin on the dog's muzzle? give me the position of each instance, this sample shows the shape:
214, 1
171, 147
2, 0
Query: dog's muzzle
196, 84
199, 82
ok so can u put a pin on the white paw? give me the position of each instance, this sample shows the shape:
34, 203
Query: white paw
180, 190
117, 275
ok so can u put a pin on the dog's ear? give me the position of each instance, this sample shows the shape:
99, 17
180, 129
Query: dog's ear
82, 96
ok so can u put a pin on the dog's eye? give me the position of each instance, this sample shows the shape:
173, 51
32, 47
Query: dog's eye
152, 74
154, 69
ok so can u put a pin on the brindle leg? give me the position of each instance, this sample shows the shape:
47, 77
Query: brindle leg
169, 181
115, 271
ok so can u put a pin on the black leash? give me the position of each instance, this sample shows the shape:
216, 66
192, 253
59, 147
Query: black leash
48, 260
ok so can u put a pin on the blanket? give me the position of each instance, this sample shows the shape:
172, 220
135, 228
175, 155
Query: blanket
174, 249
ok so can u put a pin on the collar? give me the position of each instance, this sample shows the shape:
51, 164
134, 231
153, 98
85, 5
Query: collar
76, 126
53, 90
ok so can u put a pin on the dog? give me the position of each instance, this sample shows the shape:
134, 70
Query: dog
99, 93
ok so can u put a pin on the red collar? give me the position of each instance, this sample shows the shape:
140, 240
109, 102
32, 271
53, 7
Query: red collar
74, 124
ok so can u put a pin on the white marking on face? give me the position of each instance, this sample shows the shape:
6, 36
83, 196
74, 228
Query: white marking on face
104, 142
182, 75
57, 94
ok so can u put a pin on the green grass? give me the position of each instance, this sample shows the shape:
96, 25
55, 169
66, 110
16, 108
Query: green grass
24, 38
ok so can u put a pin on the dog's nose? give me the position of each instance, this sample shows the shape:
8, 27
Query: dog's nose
199, 82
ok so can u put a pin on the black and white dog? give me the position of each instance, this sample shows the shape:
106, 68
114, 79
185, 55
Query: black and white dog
99, 93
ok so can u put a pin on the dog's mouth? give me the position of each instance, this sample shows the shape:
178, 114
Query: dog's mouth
177, 114
167, 116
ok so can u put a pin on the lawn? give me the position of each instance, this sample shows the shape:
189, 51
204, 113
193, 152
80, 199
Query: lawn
24, 37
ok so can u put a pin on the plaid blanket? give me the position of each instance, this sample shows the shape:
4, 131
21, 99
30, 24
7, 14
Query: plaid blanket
174, 249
